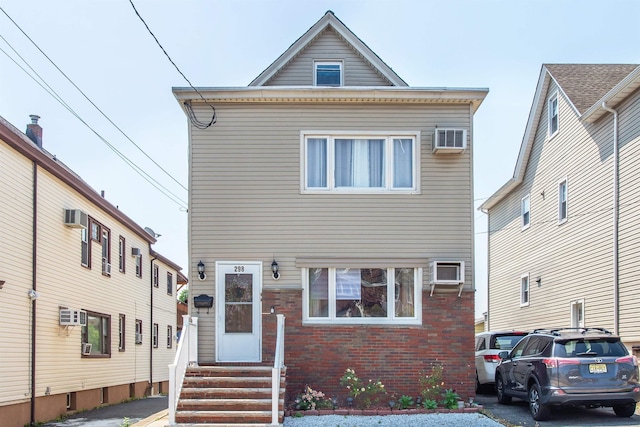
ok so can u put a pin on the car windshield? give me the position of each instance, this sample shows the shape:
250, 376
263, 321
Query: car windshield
505, 342
590, 347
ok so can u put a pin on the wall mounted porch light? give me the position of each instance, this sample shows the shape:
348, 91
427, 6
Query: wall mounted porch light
274, 270
201, 274
539, 280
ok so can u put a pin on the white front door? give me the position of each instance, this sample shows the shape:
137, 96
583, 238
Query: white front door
238, 311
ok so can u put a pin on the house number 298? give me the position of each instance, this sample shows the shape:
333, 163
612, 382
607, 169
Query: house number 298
238, 268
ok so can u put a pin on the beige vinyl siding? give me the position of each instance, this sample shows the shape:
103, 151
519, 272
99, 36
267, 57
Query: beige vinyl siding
246, 201
328, 46
63, 282
629, 238
15, 269
164, 314
574, 259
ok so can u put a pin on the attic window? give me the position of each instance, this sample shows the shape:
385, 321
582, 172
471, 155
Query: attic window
328, 73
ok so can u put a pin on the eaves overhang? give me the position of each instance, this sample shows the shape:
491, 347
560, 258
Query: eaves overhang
23, 145
306, 94
616, 95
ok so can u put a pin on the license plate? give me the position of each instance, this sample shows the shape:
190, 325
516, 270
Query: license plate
597, 368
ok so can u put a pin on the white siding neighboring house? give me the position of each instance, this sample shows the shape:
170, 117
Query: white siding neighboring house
327, 165
75, 279
578, 172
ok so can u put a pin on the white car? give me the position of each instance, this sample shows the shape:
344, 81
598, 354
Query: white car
488, 345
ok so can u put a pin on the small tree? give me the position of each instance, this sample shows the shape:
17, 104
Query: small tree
183, 296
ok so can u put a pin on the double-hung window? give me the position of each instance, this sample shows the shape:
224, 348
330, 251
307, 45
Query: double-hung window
525, 211
376, 162
327, 73
524, 290
169, 284
362, 295
562, 201
156, 275
121, 257
97, 333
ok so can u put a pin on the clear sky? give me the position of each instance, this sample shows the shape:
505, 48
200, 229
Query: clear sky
105, 50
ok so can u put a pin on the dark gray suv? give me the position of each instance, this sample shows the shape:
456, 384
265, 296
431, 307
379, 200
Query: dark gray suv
569, 366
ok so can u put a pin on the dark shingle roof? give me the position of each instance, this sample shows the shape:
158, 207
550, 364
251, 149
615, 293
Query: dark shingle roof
586, 84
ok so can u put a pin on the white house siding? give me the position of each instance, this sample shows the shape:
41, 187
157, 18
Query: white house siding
245, 194
328, 46
629, 239
63, 282
573, 260
15, 269
164, 314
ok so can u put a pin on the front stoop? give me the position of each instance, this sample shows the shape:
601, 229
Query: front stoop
237, 396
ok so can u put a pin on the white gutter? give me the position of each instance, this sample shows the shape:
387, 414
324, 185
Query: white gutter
616, 274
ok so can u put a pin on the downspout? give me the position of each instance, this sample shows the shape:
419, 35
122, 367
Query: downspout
151, 335
34, 253
616, 217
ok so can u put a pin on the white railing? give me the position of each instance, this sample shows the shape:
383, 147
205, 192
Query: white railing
186, 355
278, 364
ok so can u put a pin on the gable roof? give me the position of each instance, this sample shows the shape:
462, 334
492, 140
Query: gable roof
587, 87
328, 20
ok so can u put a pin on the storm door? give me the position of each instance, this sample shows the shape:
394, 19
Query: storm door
238, 318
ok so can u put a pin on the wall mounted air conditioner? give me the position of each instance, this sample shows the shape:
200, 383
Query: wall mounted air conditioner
70, 317
106, 268
138, 338
448, 140
75, 218
86, 348
447, 273
136, 252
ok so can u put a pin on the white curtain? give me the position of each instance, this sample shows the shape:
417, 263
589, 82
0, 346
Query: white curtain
402, 163
316, 162
359, 163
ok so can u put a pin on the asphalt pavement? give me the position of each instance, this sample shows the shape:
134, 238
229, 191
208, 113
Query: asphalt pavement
117, 415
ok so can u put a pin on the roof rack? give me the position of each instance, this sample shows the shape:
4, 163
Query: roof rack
583, 331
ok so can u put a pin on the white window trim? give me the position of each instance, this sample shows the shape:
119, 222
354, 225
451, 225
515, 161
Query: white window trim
333, 320
552, 98
572, 320
566, 212
331, 135
522, 212
340, 63
523, 303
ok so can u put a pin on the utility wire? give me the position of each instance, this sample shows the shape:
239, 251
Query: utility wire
192, 117
90, 101
176, 199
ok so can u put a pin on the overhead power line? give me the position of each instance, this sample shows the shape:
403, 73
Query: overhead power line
192, 117
87, 98
176, 199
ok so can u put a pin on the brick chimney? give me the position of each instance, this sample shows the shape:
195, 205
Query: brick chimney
34, 130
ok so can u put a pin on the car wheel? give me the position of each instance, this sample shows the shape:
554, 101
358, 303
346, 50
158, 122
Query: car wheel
625, 410
539, 411
502, 398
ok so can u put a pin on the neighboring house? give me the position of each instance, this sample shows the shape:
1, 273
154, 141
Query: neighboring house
358, 191
564, 236
77, 292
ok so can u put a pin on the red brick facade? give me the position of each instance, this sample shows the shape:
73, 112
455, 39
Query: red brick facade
318, 355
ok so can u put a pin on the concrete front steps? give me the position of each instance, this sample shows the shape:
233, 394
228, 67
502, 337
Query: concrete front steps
238, 396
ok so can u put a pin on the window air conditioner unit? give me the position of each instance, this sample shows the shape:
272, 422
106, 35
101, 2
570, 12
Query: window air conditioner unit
72, 317
75, 218
138, 338
136, 252
106, 268
86, 348
447, 273
447, 140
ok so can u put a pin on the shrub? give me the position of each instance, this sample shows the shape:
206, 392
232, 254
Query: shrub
431, 383
450, 400
363, 394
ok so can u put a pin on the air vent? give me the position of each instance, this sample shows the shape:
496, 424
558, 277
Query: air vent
75, 218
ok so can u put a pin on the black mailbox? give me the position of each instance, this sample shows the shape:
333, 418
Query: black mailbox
203, 301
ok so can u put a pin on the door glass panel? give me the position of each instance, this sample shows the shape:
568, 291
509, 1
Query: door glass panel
238, 303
